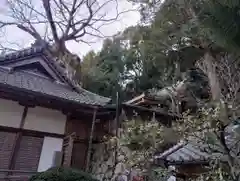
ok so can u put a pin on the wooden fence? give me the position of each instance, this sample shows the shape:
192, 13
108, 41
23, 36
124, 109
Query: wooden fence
15, 175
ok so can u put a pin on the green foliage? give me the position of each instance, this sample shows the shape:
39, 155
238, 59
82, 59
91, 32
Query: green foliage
148, 56
126, 64
102, 71
176, 36
159, 174
62, 174
216, 173
209, 127
144, 139
141, 135
222, 20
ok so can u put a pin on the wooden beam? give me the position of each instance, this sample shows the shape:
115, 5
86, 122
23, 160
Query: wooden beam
117, 114
17, 177
67, 148
135, 99
90, 140
150, 102
16, 171
31, 99
157, 111
7, 176
85, 141
40, 99
31, 132
24, 115
16, 144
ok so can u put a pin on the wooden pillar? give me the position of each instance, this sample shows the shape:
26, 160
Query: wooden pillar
90, 140
117, 114
68, 142
154, 117
16, 144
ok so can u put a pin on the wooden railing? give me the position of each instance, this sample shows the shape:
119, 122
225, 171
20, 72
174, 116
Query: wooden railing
15, 174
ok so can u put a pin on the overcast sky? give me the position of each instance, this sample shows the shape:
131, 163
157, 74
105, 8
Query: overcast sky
14, 35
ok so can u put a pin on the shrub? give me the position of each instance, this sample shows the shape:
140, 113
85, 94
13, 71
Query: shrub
62, 174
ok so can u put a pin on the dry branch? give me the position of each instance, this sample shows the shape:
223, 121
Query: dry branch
63, 20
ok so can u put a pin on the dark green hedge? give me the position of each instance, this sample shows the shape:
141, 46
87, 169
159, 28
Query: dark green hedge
62, 174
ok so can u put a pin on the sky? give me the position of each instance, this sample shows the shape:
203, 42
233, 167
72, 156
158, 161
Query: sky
12, 37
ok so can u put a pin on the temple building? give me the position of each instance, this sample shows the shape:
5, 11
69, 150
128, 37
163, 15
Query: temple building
46, 120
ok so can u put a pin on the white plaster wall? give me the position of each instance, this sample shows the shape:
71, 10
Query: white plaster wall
46, 120
10, 113
50, 145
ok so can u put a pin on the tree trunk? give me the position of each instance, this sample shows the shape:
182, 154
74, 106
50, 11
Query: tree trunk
214, 83
212, 76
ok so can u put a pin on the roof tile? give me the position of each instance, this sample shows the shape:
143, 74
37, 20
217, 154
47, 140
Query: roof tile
31, 82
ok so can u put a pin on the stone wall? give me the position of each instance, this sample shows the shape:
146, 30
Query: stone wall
103, 161
108, 160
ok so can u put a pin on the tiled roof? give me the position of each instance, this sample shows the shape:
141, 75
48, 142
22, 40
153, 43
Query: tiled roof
196, 151
33, 52
183, 153
22, 53
31, 82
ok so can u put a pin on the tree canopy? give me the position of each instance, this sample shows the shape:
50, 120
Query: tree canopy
181, 41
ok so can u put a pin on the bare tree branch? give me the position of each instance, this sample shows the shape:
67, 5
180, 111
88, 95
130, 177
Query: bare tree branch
57, 21
71, 15
83, 23
32, 32
67, 19
47, 8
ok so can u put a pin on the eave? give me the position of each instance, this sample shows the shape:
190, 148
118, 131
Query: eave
161, 116
143, 100
32, 99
